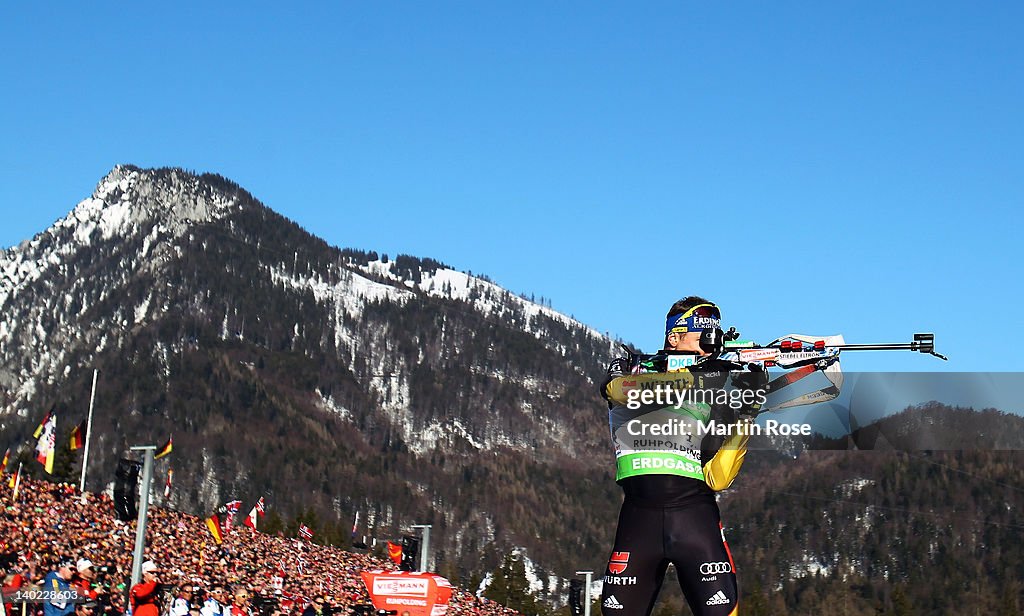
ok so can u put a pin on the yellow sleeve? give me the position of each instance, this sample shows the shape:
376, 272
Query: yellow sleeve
723, 467
629, 387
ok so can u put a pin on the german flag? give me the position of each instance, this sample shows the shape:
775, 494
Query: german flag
163, 451
78, 437
213, 523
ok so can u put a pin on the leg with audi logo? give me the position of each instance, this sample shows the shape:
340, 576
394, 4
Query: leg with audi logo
700, 554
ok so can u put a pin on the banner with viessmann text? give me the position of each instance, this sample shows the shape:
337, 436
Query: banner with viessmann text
407, 593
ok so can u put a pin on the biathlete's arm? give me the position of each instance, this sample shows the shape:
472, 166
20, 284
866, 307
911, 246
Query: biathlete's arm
721, 470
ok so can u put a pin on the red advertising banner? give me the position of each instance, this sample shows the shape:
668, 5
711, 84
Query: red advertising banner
407, 593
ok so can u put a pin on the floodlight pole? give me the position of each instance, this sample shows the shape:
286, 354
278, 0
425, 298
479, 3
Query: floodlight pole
586, 592
424, 545
88, 433
140, 525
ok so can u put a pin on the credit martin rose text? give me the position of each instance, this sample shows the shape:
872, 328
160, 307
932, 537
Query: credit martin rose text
684, 427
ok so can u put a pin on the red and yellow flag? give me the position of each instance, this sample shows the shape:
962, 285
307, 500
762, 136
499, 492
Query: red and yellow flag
16, 482
47, 444
42, 423
213, 523
395, 552
163, 451
78, 437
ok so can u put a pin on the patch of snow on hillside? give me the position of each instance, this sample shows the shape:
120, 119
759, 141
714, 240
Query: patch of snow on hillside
328, 404
448, 283
351, 294
441, 433
809, 565
142, 309
853, 486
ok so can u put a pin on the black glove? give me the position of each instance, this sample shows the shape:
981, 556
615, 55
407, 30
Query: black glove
618, 367
752, 385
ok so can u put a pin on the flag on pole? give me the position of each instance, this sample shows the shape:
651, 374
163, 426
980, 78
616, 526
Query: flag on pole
47, 444
17, 482
3, 465
42, 423
250, 520
213, 524
257, 510
305, 533
78, 437
232, 509
163, 451
167, 484
395, 552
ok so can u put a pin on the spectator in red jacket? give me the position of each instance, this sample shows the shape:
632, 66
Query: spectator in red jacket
144, 594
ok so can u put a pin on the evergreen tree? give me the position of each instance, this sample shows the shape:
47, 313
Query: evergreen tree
510, 587
274, 524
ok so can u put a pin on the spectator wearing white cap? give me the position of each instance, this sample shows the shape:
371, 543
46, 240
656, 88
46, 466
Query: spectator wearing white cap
144, 595
85, 575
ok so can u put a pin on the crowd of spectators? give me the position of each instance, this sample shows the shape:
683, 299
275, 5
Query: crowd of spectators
54, 530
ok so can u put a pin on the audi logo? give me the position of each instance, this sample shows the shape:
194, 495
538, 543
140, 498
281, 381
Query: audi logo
713, 568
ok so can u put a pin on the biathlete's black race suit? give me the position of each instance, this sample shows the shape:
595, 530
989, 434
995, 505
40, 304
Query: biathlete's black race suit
669, 514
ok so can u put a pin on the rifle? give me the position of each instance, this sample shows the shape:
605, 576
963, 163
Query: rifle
802, 355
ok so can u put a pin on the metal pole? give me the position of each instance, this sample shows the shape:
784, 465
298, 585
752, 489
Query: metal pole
586, 592
140, 527
88, 433
424, 546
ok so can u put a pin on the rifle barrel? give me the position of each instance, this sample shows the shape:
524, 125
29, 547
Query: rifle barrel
924, 343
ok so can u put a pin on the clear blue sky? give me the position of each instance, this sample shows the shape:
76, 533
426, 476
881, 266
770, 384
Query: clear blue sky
852, 169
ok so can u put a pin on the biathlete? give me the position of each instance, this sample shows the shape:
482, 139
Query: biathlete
669, 472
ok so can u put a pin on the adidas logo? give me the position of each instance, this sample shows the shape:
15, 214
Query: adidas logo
613, 604
718, 598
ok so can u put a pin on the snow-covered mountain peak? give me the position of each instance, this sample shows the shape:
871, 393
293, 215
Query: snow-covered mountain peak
130, 195
155, 203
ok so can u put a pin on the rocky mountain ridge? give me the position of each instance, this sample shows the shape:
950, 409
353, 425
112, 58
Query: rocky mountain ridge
339, 380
